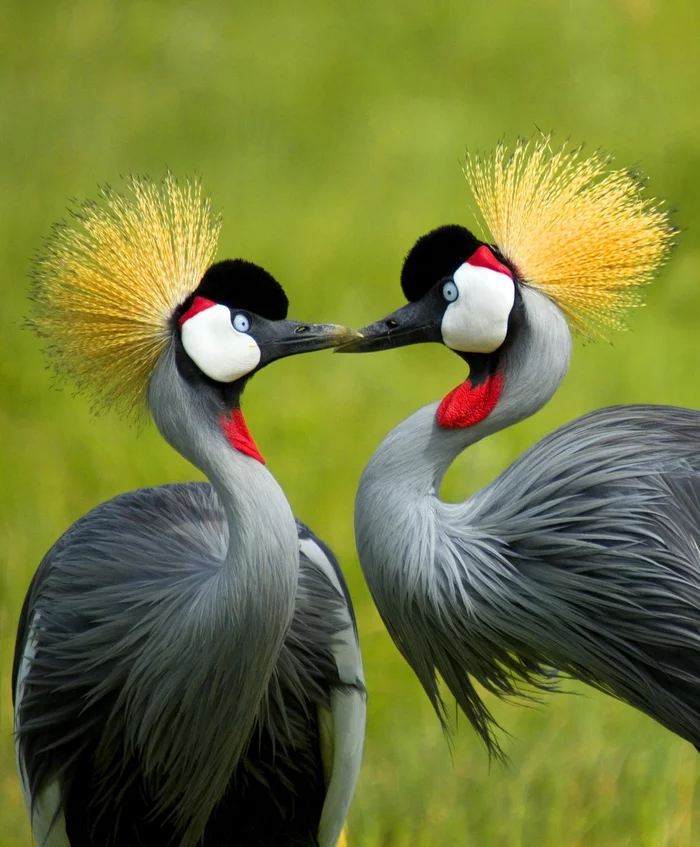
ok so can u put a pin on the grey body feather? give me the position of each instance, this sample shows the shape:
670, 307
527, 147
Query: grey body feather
181, 650
90, 692
583, 555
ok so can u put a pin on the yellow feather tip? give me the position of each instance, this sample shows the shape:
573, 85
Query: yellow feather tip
573, 227
107, 283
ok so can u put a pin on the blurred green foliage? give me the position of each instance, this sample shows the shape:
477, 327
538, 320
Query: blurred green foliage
330, 134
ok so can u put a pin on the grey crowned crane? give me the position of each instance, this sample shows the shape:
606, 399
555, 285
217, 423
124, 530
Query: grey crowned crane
187, 669
584, 554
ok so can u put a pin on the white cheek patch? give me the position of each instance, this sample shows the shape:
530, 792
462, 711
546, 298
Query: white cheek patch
477, 321
219, 350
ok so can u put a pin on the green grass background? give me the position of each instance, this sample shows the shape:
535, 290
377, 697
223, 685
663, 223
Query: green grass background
330, 134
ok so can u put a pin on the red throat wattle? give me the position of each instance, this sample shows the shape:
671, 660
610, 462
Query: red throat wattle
236, 431
467, 405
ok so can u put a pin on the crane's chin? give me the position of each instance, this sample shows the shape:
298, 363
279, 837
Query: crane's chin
469, 403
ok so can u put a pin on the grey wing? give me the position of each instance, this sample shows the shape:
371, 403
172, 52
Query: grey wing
85, 615
583, 555
83, 618
44, 807
343, 753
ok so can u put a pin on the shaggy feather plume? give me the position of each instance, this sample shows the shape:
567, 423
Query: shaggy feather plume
577, 230
107, 284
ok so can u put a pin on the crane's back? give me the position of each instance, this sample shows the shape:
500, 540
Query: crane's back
583, 555
126, 659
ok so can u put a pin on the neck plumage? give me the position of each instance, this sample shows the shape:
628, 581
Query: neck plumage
262, 545
418, 452
240, 614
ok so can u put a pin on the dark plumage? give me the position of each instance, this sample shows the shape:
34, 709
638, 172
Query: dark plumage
435, 256
242, 285
74, 702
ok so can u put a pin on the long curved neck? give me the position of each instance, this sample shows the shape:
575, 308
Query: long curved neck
260, 520
236, 616
418, 452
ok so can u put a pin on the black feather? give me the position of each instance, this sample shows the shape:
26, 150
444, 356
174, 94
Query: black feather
435, 256
241, 285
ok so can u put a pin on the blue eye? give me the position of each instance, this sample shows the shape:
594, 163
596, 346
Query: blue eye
241, 322
450, 291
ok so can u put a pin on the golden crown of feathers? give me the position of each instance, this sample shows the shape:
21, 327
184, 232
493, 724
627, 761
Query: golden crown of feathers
106, 286
574, 228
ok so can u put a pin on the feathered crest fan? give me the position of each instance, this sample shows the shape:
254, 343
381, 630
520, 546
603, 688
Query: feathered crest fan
107, 283
573, 227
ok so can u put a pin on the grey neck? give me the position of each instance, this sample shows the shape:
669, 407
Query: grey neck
262, 530
417, 453
236, 617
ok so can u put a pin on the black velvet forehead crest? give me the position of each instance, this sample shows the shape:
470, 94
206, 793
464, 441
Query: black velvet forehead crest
243, 285
435, 256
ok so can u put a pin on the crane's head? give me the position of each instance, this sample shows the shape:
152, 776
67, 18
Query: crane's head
234, 323
461, 293
131, 279
568, 226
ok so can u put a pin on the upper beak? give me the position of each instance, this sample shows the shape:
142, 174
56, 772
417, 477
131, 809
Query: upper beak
287, 338
414, 323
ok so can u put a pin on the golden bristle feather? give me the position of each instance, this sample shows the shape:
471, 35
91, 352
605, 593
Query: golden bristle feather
107, 284
572, 226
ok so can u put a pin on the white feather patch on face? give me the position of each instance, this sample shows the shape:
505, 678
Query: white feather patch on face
477, 321
219, 351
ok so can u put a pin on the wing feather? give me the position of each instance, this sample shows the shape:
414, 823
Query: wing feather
584, 555
344, 739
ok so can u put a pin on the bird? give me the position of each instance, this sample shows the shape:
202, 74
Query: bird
187, 667
582, 558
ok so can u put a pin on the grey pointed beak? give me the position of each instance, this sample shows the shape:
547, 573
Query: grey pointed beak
288, 338
415, 323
